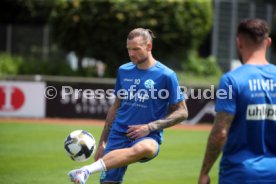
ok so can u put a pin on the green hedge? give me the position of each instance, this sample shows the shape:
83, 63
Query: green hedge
17, 65
197, 65
10, 65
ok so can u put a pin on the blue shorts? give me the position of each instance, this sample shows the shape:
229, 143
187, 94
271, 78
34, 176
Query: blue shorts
117, 140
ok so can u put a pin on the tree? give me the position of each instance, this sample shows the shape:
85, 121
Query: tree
99, 28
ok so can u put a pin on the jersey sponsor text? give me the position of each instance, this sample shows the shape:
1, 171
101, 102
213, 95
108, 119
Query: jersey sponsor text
261, 112
261, 84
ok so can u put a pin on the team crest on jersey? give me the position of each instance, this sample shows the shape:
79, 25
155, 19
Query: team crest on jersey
149, 84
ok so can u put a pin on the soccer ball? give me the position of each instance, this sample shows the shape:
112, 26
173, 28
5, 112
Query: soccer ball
80, 145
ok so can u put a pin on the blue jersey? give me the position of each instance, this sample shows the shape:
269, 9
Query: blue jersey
144, 94
249, 155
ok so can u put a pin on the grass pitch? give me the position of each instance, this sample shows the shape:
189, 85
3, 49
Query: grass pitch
34, 153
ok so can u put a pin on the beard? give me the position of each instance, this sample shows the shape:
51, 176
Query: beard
140, 61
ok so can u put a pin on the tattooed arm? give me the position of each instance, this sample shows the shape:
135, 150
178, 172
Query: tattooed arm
216, 141
108, 123
178, 113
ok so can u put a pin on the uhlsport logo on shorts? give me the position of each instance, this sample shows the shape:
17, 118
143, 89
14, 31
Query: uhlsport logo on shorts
149, 84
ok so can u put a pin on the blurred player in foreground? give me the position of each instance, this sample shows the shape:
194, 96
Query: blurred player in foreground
145, 90
245, 125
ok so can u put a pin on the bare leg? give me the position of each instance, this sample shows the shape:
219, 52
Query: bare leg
146, 148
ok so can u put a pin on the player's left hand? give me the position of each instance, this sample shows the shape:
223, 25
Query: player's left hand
204, 179
137, 131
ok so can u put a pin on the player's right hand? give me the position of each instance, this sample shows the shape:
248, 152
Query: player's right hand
137, 131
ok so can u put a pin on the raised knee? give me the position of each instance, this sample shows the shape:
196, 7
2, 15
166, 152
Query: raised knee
146, 149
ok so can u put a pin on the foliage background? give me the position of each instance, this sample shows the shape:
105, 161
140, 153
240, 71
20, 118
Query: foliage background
98, 29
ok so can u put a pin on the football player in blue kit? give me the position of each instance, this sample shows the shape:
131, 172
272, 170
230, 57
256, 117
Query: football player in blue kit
148, 99
245, 124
